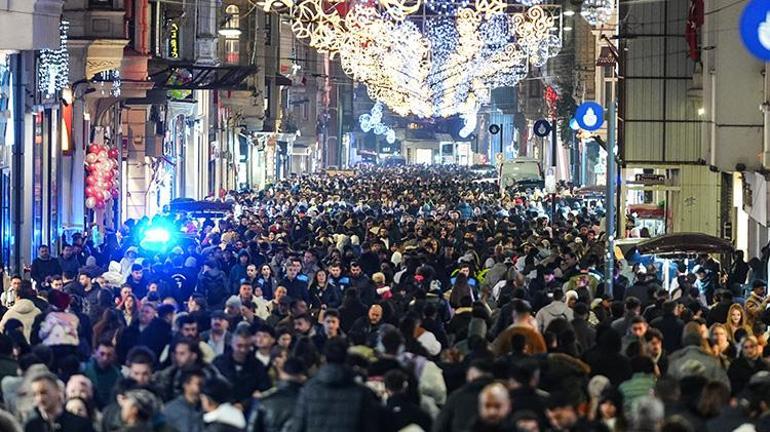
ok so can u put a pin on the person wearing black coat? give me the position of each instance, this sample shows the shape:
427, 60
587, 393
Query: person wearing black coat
45, 391
276, 406
212, 284
605, 358
351, 310
749, 363
333, 401
671, 326
585, 334
240, 367
462, 407
404, 411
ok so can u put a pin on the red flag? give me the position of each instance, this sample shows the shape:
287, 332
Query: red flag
694, 22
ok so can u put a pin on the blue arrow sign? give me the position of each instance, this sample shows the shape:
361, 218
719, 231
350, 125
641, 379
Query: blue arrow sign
755, 28
589, 116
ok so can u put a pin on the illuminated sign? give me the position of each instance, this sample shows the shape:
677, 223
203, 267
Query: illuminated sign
173, 41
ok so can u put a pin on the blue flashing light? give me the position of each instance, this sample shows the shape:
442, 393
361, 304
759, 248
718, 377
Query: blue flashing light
157, 238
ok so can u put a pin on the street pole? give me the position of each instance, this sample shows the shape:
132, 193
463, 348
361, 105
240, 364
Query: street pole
553, 166
501, 140
610, 201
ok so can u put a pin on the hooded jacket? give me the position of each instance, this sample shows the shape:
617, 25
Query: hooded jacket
213, 285
557, 309
23, 310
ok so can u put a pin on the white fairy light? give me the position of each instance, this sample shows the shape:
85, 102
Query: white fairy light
53, 68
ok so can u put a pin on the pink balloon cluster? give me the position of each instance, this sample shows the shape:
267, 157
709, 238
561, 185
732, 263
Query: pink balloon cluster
101, 182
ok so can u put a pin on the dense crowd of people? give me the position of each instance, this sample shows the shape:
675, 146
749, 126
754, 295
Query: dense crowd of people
400, 299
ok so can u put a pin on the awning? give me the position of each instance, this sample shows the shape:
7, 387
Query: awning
281, 80
188, 76
684, 244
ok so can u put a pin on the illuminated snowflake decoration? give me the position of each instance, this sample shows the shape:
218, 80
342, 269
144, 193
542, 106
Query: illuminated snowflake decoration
54, 65
372, 122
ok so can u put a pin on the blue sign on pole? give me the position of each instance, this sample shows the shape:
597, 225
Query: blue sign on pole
755, 28
589, 116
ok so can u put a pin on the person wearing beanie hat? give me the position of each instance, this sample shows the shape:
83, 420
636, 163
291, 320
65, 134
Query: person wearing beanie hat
219, 414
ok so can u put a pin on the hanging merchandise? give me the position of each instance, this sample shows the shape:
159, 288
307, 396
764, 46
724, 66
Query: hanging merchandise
102, 175
53, 67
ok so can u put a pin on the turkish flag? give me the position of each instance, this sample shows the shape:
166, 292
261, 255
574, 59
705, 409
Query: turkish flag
694, 22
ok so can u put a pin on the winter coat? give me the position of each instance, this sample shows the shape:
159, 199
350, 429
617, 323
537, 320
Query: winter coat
741, 370
333, 401
693, 357
276, 407
184, 417
585, 334
64, 422
557, 309
226, 418
671, 327
59, 328
41, 269
213, 286
249, 376
461, 409
23, 310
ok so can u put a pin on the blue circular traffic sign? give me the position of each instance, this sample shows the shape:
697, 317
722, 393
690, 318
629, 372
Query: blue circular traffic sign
542, 128
589, 116
755, 28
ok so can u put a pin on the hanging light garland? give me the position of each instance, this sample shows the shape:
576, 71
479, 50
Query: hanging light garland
448, 66
597, 12
446, 7
53, 67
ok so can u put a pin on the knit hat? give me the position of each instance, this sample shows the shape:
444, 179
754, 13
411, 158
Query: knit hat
60, 300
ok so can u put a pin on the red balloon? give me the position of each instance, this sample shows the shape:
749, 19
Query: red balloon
113, 153
94, 148
91, 180
108, 185
90, 191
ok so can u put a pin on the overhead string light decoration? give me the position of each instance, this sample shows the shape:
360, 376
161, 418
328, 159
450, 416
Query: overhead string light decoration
446, 66
446, 7
597, 12
53, 67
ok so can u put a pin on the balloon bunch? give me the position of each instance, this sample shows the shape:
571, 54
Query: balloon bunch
101, 182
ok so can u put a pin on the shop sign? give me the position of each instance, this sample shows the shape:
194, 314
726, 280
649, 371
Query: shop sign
650, 179
173, 41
